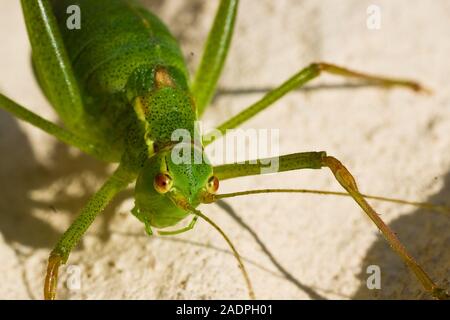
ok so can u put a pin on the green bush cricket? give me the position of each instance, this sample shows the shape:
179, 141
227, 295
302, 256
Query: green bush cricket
126, 110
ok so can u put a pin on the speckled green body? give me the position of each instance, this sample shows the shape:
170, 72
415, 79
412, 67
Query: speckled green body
120, 86
115, 56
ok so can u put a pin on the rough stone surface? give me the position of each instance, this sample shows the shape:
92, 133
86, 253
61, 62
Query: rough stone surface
395, 142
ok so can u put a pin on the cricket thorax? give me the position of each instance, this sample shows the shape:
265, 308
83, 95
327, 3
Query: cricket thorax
177, 174
163, 104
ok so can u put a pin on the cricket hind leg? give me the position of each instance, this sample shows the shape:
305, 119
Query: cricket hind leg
53, 71
319, 160
51, 62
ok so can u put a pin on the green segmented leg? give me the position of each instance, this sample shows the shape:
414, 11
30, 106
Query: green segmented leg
318, 160
120, 179
301, 78
190, 226
214, 54
51, 62
52, 129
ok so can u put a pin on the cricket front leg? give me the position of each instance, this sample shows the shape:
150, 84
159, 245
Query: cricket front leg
318, 160
344, 177
120, 179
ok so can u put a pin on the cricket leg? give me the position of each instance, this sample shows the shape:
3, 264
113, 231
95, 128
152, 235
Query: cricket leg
190, 226
214, 54
59, 255
318, 160
298, 80
51, 62
51, 128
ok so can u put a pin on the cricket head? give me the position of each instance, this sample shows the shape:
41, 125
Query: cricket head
168, 185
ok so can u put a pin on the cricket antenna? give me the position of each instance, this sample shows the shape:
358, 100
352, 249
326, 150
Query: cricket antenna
425, 205
251, 293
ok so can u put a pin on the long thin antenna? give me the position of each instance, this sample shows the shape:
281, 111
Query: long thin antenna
425, 205
251, 293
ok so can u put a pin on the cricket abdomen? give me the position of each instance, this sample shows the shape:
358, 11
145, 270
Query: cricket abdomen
116, 38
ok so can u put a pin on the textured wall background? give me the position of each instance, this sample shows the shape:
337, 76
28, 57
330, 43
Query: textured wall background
395, 142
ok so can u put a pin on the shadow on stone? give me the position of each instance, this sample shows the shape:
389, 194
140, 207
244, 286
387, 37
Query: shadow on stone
426, 234
286, 274
21, 174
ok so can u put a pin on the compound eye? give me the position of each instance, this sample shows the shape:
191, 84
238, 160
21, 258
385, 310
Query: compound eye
162, 183
212, 185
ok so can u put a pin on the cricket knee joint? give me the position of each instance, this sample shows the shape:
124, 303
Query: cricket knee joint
51, 279
319, 66
343, 176
440, 294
